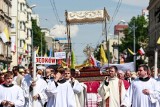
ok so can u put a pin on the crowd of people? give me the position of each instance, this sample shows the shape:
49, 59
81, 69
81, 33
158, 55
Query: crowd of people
58, 87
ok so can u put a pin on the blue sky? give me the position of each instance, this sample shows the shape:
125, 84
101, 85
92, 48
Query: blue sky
89, 33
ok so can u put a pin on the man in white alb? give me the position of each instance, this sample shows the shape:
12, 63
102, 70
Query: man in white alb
60, 92
11, 95
40, 85
139, 92
77, 87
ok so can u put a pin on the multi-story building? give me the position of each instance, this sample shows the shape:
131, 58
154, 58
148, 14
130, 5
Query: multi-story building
5, 23
154, 29
21, 31
119, 29
145, 13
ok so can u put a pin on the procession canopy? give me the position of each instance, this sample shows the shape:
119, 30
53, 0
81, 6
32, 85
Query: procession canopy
83, 17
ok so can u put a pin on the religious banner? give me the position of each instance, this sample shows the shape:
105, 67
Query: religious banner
86, 16
126, 66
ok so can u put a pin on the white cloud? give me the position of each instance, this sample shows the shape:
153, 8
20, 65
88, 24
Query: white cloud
60, 31
139, 3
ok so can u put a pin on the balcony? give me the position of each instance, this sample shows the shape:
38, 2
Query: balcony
22, 35
22, 17
22, 1
29, 24
29, 41
29, 10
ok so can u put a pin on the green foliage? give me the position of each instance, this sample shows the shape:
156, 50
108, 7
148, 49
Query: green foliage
141, 34
37, 35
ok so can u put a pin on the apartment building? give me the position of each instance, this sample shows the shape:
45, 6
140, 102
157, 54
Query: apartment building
5, 23
154, 29
21, 32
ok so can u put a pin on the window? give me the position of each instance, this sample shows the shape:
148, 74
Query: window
21, 6
21, 25
21, 43
24, 26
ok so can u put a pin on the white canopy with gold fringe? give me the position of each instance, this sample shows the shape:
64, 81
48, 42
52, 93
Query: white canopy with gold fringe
80, 17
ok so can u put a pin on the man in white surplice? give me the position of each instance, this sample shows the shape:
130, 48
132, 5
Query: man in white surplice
77, 87
60, 92
140, 91
11, 95
40, 87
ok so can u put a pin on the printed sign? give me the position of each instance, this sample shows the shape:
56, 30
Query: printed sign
60, 55
45, 60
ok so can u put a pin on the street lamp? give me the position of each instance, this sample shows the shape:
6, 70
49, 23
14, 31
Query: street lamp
32, 6
133, 27
32, 50
33, 62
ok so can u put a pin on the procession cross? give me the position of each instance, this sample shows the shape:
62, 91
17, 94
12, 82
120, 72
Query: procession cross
88, 50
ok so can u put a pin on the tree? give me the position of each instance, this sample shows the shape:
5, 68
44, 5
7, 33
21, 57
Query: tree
141, 34
37, 35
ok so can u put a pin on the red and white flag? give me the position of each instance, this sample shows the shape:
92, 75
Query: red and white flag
92, 60
141, 51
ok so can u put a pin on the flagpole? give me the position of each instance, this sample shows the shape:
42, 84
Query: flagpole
134, 43
34, 75
107, 41
155, 63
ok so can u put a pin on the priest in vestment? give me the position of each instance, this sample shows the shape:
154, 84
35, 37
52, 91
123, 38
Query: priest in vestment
60, 92
140, 91
112, 89
11, 95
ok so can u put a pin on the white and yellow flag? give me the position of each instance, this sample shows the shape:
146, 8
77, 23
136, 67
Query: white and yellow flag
158, 42
5, 35
103, 56
25, 46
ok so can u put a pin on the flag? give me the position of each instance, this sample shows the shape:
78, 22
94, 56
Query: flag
158, 42
25, 47
5, 35
73, 60
131, 52
45, 55
94, 62
37, 50
50, 52
13, 45
103, 55
141, 51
